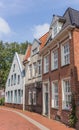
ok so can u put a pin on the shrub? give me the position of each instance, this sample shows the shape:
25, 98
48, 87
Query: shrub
2, 101
72, 117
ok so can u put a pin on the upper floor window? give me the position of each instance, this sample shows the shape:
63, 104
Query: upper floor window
34, 51
9, 82
30, 71
65, 51
54, 60
18, 79
34, 69
14, 79
13, 67
46, 64
66, 93
55, 94
39, 67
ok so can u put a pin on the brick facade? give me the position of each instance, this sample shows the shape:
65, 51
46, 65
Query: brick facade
71, 70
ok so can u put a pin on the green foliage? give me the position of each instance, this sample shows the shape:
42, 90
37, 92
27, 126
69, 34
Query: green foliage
7, 51
2, 101
72, 117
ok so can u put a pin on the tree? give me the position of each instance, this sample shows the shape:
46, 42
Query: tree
7, 51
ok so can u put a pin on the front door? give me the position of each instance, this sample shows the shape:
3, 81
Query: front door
46, 103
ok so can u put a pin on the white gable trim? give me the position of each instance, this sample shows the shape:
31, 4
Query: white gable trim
18, 61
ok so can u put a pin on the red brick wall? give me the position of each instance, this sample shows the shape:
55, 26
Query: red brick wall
59, 74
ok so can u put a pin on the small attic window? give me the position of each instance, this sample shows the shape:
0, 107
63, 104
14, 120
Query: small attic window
34, 51
56, 27
13, 67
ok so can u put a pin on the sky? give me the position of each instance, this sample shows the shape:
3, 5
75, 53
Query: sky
24, 20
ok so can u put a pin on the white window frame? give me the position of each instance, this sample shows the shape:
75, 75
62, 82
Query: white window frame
30, 71
30, 98
34, 69
54, 101
66, 94
46, 65
53, 60
65, 55
39, 67
34, 97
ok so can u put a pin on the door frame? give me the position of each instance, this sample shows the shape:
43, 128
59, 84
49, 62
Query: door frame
43, 93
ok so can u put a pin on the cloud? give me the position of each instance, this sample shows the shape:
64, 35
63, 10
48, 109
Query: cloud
4, 28
40, 30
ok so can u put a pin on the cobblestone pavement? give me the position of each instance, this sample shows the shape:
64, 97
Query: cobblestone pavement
12, 121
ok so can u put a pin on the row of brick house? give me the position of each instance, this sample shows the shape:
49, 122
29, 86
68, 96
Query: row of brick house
52, 69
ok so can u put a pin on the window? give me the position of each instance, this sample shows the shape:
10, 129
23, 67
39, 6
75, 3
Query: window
19, 96
13, 67
54, 60
18, 79
46, 64
34, 69
34, 51
30, 98
9, 82
30, 71
15, 96
14, 79
11, 96
39, 67
55, 94
66, 93
65, 54
55, 30
34, 97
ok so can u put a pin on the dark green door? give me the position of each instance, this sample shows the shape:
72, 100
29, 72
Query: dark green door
46, 103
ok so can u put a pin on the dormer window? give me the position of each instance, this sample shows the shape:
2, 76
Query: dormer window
57, 25
55, 30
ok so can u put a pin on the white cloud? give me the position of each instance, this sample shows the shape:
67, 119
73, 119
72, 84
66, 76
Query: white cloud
40, 30
4, 28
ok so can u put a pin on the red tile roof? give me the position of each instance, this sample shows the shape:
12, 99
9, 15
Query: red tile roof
28, 52
43, 40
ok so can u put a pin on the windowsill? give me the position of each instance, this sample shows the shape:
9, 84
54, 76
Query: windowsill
62, 66
56, 108
64, 109
45, 73
54, 69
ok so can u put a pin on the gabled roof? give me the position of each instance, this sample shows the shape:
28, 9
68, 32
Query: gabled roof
28, 52
43, 40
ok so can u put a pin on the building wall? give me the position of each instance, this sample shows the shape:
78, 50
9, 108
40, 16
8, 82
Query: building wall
63, 72
16, 86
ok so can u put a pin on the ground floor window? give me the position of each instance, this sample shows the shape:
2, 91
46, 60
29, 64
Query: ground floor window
66, 93
30, 98
55, 94
34, 97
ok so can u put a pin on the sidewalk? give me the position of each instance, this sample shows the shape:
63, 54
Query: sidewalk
49, 123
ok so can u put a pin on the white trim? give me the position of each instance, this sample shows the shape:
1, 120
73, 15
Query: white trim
19, 61
63, 96
52, 93
62, 52
43, 91
52, 58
